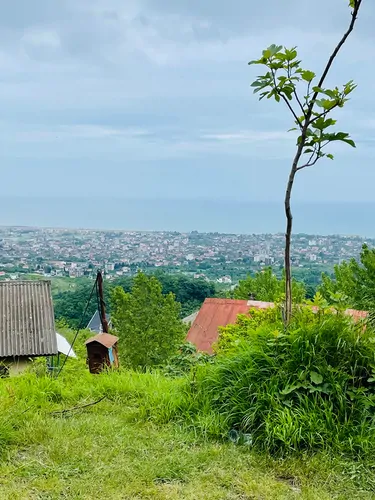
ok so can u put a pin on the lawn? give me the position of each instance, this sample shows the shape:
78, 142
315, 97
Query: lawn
127, 447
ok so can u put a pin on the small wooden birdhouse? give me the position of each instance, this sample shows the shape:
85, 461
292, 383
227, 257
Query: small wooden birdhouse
102, 352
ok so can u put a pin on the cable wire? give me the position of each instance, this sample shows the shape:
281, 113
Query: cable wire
80, 325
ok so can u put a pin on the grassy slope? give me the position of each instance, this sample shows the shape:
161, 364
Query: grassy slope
106, 452
124, 448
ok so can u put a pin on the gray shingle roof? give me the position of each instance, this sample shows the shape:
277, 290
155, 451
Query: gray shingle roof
95, 325
27, 323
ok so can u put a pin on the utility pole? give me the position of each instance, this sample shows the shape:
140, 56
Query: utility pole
103, 319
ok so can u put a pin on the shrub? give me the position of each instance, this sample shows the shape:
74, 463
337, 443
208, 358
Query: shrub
187, 360
308, 387
147, 323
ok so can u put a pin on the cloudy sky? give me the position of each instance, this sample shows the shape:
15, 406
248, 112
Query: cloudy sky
152, 98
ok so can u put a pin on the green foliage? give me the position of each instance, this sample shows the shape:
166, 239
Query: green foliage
137, 454
231, 336
147, 323
307, 387
267, 287
189, 292
353, 281
187, 360
70, 304
286, 80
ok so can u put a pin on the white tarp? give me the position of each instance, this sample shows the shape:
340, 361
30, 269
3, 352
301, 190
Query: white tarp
64, 347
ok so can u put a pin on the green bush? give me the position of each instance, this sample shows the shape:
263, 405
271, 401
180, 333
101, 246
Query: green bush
186, 361
309, 387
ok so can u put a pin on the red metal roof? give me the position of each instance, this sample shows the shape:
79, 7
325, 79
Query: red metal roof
204, 331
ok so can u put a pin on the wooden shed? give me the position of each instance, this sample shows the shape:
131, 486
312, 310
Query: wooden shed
102, 352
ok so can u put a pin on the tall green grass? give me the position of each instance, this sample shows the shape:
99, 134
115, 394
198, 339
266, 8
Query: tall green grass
310, 387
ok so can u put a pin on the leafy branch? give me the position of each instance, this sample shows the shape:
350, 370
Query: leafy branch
311, 105
283, 81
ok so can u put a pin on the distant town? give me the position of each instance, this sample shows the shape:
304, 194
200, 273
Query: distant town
223, 258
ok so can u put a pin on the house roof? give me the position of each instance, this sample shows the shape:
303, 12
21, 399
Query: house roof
95, 325
214, 313
190, 318
105, 339
27, 323
204, 331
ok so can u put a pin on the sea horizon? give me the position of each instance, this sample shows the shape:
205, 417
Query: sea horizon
222, 216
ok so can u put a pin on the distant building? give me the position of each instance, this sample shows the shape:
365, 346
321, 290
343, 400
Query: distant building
95, 325
261, 258
189, 319
225, 279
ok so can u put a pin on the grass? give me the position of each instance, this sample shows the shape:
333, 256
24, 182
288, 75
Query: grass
157, 437
127, 447
309, 387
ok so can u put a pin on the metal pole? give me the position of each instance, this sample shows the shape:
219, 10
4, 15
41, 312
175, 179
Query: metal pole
103, 318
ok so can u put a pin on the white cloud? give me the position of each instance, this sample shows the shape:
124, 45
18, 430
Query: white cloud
159, 80
249, 136
42, 38
100, 132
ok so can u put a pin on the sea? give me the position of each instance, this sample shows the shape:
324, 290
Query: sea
223, 216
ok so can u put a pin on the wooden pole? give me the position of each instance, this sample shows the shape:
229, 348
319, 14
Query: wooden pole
103, 318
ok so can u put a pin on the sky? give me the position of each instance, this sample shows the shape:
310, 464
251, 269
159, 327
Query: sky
152, 99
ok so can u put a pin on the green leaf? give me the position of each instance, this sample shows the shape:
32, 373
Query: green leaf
322, 124
274, 49
316, 378
257, 83
349, 87
290, 388
317, 89
330, 156
307, 75
330, 93
267, 53
339, 136
290, 54
327, 104
262, 60
371, 379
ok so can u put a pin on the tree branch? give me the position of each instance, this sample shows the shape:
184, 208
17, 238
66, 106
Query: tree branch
285, 99
322, 114
299, 102
337, 50
291, 110
308, 93
77, 407
309, 163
